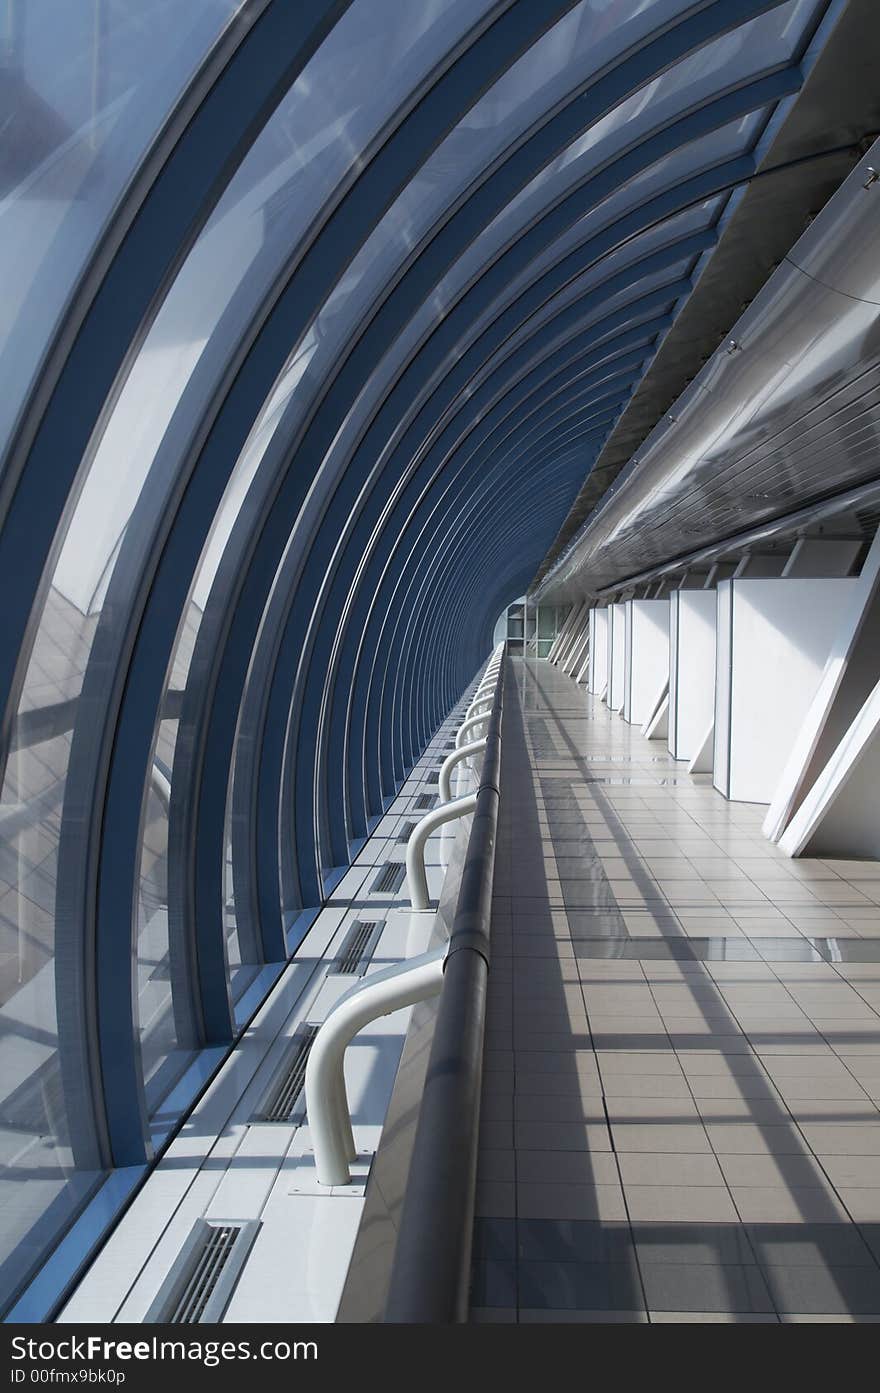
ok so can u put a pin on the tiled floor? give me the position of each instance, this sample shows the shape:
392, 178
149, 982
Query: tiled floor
680, 1117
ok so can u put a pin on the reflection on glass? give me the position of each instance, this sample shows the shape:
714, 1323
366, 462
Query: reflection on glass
84, 87
49, 1162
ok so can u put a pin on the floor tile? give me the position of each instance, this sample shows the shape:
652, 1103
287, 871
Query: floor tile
705, 1287
673, 1203
663, 970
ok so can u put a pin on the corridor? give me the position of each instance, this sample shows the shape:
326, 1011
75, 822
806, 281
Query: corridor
682, 1067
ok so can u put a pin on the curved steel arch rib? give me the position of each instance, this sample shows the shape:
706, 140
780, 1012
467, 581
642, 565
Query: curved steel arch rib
99, 857
247, 605
100, 862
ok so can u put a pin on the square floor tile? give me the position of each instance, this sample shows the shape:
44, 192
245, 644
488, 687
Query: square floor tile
705, 1287
786, 1205
562, 1201
677, 1203
663, 1168
579, 1285
569, 1240
693, 1243
817, 1288
493, 1283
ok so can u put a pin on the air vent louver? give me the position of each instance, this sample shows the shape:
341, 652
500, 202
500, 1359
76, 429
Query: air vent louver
199, 1285
406, 832
390, 878
432, 776
424, 801
283, 1102
357, 949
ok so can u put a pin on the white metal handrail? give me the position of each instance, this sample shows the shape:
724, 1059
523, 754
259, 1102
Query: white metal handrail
415, 847
463, 752
326, 1103
468, 724
388, 990
485, 691
479, 708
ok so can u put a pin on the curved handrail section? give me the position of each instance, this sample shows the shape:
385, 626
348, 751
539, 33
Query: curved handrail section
469, 725
378, 995
416, 875
431, 1267
444, 783
390, 989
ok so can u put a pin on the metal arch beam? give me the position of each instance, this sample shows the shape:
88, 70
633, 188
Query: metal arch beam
538, 354
695, 244
168, 201
687, 193
419, 513
353, 613
424, 581
669, 41
273, 721
109, 893
347, 677
361, 617
285, 693
364, 718
438, 567
214, 1001
452, 382
493, 60
425, 675
272, 758
434, 524
447, 610
101, 849
786, 80
541, 342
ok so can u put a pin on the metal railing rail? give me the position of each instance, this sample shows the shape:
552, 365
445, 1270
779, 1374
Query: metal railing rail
431, 1268
387, 990
382, 992
476, 747
416, 875
471, 724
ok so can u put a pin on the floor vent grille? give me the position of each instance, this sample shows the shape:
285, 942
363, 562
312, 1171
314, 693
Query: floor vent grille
424, 801
432, 776
390, 878
284, 1101
357, 949
199, 1285
406, 832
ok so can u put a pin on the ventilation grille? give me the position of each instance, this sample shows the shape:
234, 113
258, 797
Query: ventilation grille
282, 1103
406, 832
425, 800
432, 776
390, 878
199, 1285
357, 949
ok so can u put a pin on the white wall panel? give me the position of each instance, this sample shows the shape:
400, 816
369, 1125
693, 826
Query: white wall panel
692, 622
779, 640
647, 657
598, 651
617, 656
